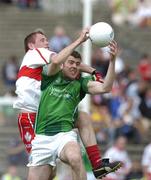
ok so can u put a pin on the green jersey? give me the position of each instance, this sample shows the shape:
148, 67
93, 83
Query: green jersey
58, 104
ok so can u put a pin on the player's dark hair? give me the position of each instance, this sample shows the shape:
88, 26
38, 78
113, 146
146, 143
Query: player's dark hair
30, 38
76, 54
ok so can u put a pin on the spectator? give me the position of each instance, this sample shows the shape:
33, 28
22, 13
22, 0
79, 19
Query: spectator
11, 174
136, 172
115, 101
16, 153
142, 16
114, 104
122, 11
100, 62
144, 68
132, 91
129, 118
145, 108
33, 3
60, 40
29, 3
132, 84
6, 1
119, 65
118, 153
101, 122
146, 162
10, 70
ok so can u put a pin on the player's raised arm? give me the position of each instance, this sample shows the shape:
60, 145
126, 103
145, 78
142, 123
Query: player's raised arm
95, 87
60, 58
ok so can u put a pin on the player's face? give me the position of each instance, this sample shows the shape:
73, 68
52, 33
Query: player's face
71, 67
41, 41
121, 143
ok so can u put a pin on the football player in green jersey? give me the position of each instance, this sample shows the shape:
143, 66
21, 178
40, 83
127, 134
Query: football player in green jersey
55, 137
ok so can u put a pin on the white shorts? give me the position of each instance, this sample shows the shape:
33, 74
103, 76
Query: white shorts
46, 149
83, 107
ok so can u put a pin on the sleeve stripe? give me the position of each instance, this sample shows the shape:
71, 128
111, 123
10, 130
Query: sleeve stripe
42, 56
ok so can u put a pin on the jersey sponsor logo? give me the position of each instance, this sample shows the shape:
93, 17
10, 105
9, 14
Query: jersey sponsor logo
67, 96
28, 136
27, 127
30, 72
60, 93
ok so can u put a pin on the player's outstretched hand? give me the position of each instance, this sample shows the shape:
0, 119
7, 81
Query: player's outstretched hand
113, 49
84, 35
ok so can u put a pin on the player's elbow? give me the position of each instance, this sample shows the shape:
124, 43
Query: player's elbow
55, 61
106, 89
101, 90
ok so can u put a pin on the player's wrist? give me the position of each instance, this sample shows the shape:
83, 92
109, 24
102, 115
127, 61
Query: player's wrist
94, 72
97, 76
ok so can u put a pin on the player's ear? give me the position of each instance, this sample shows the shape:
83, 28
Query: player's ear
31, 45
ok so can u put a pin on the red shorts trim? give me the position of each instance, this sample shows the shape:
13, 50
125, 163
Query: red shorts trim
25, 124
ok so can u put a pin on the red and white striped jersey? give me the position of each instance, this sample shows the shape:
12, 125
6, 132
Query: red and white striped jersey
29, 79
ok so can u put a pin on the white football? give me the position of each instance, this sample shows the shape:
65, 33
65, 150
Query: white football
101, 34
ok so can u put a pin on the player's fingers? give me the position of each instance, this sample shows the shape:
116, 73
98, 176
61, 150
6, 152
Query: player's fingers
112, 48
86, 30
113, 43
112, 53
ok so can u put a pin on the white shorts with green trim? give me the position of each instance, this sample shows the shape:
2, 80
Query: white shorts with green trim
46, 149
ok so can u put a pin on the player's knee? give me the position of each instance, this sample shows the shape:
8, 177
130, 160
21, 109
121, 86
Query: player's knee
75, 160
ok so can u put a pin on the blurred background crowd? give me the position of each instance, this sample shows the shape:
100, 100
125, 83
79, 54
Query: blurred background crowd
122, 118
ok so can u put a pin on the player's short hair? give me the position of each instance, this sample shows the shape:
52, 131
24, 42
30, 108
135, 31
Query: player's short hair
76, 54
30, 38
